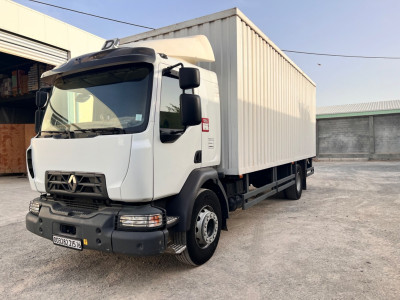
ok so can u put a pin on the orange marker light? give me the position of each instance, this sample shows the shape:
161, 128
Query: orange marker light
156, 220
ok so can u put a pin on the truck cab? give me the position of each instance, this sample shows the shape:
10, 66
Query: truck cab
121, 133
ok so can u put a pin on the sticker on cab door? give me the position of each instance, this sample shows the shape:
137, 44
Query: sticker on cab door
205, 124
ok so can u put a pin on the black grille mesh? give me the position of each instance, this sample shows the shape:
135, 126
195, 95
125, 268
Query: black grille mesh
84, 184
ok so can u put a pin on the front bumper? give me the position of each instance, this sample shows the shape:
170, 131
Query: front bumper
97, 229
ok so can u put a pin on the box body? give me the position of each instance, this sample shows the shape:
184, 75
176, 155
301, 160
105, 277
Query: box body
267, 102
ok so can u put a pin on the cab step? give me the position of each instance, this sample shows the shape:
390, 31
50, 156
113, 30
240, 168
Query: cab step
175, 249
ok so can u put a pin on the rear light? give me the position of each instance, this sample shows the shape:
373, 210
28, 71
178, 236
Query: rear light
140, 221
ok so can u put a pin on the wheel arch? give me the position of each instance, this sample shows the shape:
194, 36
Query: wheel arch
182, 204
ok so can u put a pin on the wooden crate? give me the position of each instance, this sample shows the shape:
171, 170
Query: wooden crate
14, 140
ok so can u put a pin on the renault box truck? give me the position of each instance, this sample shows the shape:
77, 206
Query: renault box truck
147, 145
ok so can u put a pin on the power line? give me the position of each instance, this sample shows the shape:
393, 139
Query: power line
341, 55
291, 51
84, 13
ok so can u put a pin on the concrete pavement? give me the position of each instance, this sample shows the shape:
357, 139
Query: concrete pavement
341, 240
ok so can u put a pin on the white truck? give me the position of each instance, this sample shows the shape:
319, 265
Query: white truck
146, 146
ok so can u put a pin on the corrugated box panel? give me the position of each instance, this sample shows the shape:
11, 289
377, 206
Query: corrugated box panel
267, 102
276, 105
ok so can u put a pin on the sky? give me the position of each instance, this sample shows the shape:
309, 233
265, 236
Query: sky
350, 27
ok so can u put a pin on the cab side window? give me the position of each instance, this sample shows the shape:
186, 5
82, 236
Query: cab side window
170, 110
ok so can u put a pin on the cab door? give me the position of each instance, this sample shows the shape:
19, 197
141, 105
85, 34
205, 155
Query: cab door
176, 148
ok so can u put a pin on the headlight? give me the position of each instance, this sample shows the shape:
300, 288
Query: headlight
34, 207
141, 221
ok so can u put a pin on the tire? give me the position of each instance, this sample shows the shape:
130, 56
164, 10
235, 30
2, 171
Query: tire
205, 229
294, 191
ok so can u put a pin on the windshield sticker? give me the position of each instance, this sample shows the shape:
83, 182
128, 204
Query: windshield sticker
138, 117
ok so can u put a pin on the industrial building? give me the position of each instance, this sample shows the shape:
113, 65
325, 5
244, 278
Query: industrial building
30, 43
359, 131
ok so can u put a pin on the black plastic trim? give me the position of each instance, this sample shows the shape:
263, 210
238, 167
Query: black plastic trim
98, 229
198, 157
29, 163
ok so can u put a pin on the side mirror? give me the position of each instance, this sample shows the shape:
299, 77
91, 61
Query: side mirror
190, 109
41, 98
189, 78
39, 114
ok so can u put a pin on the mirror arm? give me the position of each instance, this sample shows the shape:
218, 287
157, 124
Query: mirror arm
168, 69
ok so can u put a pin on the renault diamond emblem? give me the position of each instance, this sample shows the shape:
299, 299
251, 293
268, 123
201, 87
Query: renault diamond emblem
72, 184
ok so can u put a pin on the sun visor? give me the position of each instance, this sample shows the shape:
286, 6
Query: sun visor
96, 60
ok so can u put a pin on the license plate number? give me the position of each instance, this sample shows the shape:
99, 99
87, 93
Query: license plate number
67, 242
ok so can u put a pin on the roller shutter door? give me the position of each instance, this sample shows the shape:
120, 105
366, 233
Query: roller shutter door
21, 46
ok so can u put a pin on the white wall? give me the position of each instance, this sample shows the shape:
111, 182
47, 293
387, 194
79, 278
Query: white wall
27, 22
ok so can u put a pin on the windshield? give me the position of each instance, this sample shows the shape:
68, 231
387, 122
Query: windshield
116, 100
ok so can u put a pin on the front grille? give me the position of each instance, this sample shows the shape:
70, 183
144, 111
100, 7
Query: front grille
82, 204
78, 206
76, 184
73, 211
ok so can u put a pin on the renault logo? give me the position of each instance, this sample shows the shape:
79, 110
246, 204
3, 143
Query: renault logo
72, 184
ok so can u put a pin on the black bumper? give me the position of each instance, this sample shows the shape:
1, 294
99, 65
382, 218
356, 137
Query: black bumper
96, 230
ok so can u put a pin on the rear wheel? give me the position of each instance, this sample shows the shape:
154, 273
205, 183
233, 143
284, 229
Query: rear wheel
205, 229
294, 192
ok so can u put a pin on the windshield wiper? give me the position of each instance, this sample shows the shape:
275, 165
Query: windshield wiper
57, 132
96, 131
102, 130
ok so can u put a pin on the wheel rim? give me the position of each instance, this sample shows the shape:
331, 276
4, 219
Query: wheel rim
206, 227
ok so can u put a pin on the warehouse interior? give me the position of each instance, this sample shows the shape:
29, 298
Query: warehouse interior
19, 81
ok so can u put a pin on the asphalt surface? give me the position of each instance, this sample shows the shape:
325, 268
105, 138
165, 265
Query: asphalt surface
341, 240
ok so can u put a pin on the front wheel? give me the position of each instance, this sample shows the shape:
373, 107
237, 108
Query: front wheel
294, 191
205, 229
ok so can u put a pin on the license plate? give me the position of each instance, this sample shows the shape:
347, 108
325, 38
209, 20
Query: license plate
67, 242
